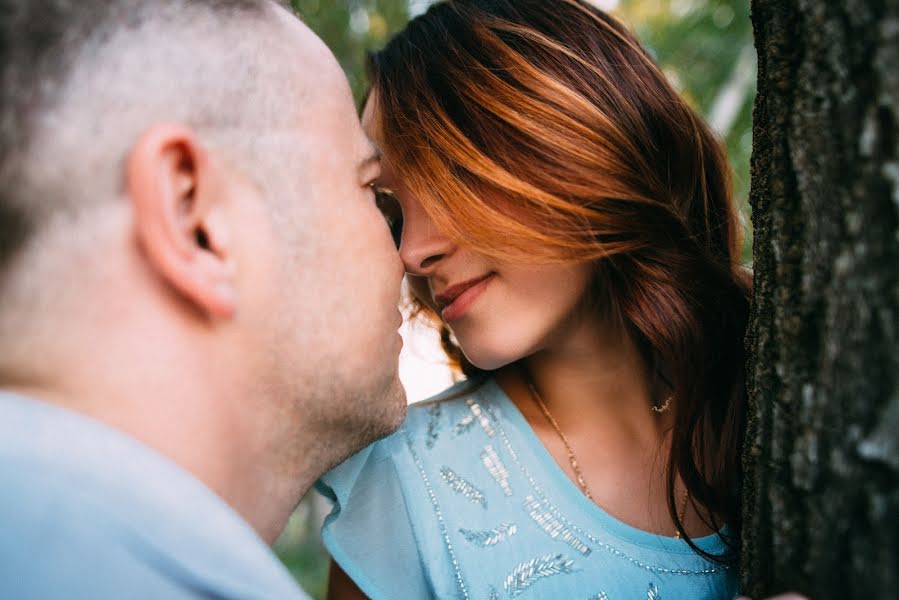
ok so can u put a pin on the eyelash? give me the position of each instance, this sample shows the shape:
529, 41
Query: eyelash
388, 205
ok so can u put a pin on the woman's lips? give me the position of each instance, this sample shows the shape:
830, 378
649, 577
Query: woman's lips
457, 299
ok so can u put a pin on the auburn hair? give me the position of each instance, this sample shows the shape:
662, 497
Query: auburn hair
542, 132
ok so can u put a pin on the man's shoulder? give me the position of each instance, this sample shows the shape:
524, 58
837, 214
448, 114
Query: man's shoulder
61, 541
88, 507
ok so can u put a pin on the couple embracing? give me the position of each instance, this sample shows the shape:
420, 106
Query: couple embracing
201, 252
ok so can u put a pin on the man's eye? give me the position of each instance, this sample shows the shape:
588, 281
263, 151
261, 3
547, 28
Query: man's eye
390, 208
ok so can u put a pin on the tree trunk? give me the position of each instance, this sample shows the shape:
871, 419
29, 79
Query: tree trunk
821, 490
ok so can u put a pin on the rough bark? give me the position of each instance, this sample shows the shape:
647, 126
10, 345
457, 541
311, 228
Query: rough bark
822, 458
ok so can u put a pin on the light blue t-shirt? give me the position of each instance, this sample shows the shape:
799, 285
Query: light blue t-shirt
465, 502
87, 512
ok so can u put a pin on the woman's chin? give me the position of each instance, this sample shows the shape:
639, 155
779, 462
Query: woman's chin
490, 361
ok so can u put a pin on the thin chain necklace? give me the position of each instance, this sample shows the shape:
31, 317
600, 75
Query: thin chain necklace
572, 459
683, 511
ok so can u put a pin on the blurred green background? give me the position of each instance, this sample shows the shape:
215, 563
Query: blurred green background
704, 47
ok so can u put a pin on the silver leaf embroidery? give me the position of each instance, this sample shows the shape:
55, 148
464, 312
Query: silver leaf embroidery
435, 504
544, 517
653, 593
586, 534
463, 425
494, 595
481, 417
489, 537
526, 573
433, 433
599, 596
461, 486
496, 468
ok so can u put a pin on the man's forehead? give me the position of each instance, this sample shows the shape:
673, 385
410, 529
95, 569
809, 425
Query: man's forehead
302, 55
321, 115
371, 157
370, 123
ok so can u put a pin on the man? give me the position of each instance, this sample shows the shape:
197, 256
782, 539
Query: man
198, 297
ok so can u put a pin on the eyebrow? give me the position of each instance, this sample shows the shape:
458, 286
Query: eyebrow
373, 158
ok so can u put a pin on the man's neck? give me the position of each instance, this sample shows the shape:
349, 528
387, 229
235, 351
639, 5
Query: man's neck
192, 425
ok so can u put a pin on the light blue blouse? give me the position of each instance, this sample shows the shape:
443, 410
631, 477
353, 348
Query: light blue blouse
465, 502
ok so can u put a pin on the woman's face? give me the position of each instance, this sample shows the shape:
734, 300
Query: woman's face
498, 312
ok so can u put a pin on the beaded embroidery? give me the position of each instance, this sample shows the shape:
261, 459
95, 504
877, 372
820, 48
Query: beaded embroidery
439, 514
463, 425
526, 573
538, 511
433, 433
489, 537
496, 468
651, 594
461, 486
536, 487
481, 417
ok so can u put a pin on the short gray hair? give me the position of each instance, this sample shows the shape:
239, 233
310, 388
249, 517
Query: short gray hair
82, 79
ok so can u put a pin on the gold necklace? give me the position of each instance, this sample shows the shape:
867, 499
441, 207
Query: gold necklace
683, 511
572, 459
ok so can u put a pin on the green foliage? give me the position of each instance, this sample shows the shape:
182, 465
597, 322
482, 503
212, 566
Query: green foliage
352, 27
706, 49
300, 547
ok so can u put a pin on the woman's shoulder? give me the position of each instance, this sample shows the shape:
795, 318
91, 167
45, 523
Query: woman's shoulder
455, 395
437, 421
430, 426
385, 525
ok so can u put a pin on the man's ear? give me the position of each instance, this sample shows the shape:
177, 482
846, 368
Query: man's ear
180, 218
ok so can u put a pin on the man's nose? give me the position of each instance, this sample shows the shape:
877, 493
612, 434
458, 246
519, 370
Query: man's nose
423, 246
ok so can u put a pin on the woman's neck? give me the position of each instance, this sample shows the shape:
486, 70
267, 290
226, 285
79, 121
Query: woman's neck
594, 381
600, 391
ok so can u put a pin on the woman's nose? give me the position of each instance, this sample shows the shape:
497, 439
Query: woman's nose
422, 245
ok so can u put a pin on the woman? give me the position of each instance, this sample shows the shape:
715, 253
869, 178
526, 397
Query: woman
568, 219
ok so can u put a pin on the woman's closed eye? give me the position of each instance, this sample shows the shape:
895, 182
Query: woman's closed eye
389, 206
